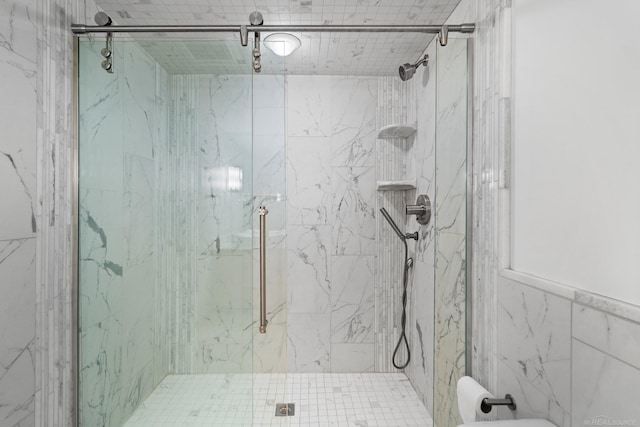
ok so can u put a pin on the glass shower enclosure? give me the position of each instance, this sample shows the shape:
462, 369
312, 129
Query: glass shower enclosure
178, 148
177, 152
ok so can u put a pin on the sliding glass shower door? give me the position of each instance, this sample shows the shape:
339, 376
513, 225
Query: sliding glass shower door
168, 221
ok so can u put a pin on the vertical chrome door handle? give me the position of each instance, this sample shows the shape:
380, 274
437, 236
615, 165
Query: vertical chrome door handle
262, 211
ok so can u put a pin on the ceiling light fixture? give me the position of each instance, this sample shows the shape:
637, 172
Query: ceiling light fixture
282, 44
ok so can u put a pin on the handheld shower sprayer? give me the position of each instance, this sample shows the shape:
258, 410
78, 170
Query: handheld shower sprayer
408, 263
393, 225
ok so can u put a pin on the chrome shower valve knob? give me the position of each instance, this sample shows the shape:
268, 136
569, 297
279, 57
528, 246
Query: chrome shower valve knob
422, 209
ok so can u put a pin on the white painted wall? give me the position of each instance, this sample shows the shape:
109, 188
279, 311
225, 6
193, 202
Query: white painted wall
576, 199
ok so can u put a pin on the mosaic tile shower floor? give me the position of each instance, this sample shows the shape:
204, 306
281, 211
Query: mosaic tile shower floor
331, 400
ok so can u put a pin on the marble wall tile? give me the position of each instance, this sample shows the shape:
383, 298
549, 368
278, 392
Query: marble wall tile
353, 121
102, 212
101, 293
138, 97
309, 342
269, 152
331, 124
309, 191
608, 333
100, 369
219, 357
269, 162
269, 91
352, 299
139, 210
17, 215
101, 110
138, 324
605, 367
604, 388
17, 332
353, 210
534, 351
220, 116
18, 56
450, 338
309, 269
220, 286
352, 357
224, 314
308, 105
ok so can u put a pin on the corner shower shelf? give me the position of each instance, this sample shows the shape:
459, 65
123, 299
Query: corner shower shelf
396, 131
398, 184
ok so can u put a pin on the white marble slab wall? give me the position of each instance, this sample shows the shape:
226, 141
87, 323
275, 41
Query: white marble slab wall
568, 356
331, 223
118, 366
18, 65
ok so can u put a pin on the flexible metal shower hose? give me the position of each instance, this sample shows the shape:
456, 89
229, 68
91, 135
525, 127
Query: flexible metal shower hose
403, 321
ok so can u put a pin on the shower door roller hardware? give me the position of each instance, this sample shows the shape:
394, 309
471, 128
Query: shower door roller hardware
443, 35
262, 211
244, 35
422, 209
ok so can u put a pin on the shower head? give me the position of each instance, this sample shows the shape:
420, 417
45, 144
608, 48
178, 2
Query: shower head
407, 70
392, 223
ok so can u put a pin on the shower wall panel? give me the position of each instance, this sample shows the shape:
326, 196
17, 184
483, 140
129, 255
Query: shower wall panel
121, 357
331, 125
18, 171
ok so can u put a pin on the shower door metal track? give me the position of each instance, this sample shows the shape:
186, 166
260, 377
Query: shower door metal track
430, 29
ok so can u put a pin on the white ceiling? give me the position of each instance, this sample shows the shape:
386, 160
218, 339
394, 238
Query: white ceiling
370, 54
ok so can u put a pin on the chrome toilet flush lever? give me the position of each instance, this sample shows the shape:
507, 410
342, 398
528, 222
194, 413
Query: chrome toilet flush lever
422, 210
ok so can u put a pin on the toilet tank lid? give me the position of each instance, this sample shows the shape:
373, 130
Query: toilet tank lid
527, 422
